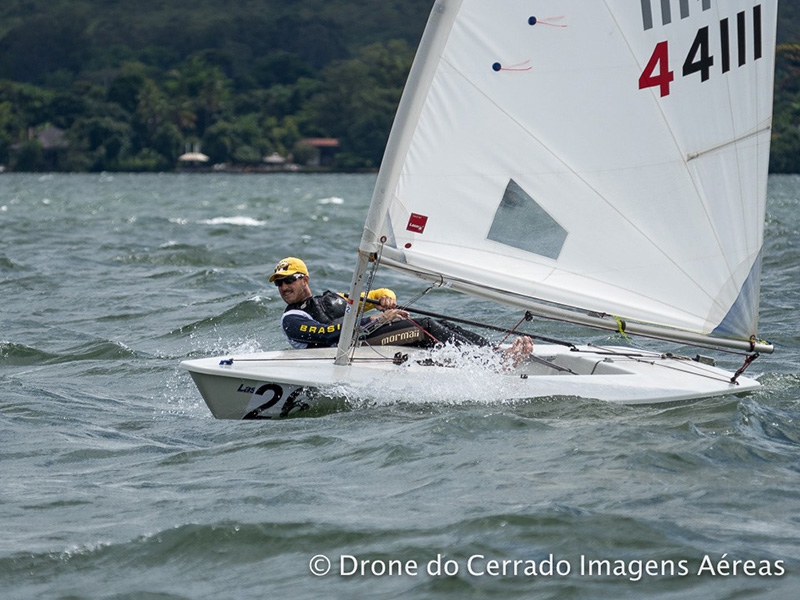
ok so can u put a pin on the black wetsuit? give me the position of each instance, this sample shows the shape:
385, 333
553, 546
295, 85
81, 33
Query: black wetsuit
317, 323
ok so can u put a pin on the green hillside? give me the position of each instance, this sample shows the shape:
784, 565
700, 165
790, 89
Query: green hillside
132, 83
40, 39
90, 85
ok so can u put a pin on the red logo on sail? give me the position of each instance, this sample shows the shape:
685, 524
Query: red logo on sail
416, 223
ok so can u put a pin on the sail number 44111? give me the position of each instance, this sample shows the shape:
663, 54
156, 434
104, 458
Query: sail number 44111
701, 57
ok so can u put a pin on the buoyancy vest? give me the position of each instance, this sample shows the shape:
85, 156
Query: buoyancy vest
315, 322
325, 308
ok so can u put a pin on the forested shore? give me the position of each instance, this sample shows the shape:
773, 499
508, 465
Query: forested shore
132, 86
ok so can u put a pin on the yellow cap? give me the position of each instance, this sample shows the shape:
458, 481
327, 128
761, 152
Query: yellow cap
288, 266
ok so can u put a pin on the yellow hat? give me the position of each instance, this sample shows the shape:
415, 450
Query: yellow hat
288, 266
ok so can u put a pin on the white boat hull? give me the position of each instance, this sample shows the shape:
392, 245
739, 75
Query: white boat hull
282, 383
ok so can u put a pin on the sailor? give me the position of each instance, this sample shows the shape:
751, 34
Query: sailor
311, 321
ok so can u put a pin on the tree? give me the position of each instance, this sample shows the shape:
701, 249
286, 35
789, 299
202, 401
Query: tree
206, 88
29, 157
358, 100
105, 141
45, 44
126, 87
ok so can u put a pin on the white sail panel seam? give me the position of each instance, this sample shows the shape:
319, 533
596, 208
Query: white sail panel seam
700, 195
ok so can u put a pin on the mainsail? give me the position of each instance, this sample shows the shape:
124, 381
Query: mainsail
608, 156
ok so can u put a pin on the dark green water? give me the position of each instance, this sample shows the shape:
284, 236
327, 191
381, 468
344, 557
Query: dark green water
116, 482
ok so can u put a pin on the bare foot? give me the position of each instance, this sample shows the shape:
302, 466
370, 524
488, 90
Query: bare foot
519, 351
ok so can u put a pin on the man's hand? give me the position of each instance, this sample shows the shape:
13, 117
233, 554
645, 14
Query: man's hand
521, 349
386, 303
391, 314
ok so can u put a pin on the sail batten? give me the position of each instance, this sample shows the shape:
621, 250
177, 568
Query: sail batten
723, 145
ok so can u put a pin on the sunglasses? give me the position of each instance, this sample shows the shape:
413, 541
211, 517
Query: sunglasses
290, 279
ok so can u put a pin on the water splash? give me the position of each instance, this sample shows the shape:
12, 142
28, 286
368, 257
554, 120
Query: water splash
238, 221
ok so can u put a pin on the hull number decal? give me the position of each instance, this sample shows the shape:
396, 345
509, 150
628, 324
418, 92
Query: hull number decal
267, 396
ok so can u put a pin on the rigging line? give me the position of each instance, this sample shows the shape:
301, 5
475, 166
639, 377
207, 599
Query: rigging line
541, 338
621, 329
367, 329
638, 353
747, 362
381, 357
422, 294
425, 331
361, 306
673, 366
550, 364
526, 317
377, 324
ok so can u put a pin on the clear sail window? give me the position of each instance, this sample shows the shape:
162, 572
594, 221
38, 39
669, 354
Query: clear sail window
520, 222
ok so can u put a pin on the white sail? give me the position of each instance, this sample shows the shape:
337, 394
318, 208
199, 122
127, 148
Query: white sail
609, 156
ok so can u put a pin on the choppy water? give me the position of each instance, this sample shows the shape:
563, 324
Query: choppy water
116, 482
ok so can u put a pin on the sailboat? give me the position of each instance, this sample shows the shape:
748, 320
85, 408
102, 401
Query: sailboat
601, 163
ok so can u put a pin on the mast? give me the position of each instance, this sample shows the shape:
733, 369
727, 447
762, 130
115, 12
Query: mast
422, 71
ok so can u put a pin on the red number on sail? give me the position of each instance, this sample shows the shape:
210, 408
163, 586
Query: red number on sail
657, 73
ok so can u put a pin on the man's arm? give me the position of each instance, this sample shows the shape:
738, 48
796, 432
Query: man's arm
302, 330
382, 299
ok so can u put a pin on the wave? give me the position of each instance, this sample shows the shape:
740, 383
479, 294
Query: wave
221, 223
7, 264
15, 354
178, 559
769, 428
21, 355
239, 221
179, 255
252, 312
